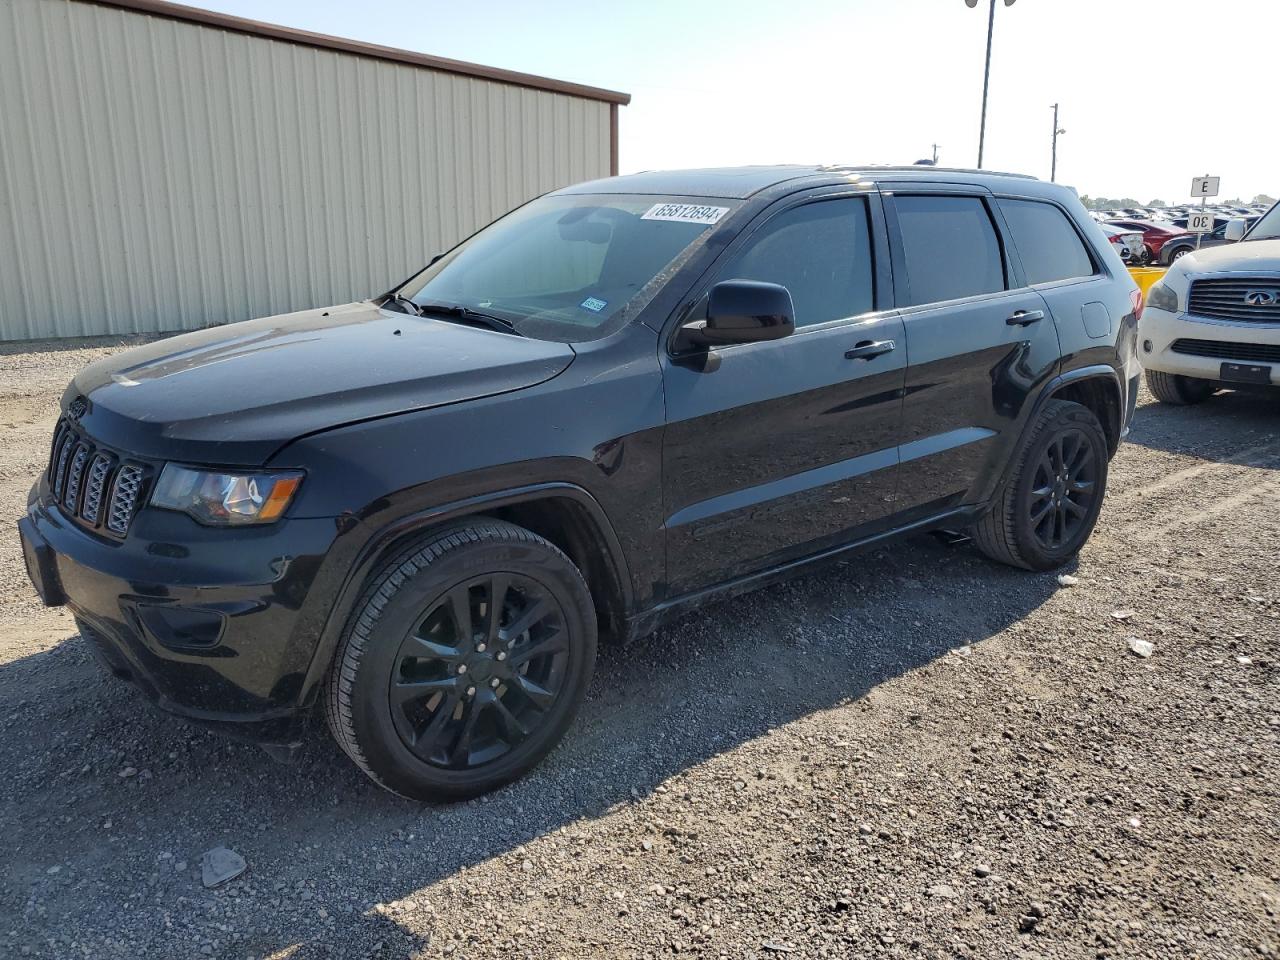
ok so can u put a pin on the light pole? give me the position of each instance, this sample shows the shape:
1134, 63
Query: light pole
986, 72
1053, 169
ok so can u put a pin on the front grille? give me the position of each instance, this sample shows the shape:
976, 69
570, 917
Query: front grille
1221, 349
1247, 299
92, 484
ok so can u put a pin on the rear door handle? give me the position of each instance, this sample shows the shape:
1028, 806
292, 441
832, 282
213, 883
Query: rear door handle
1023, 317
869, 348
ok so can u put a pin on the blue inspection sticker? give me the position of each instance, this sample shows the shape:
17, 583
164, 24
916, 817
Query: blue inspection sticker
594, 304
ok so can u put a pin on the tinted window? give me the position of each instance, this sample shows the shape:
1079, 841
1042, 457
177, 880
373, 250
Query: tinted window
821, 252
951, 248
566, 267
1049, 246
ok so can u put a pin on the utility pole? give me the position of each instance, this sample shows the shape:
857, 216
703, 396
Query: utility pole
1053, 169
986, 72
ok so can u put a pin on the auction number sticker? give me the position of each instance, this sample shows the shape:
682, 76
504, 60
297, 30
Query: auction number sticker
685, 213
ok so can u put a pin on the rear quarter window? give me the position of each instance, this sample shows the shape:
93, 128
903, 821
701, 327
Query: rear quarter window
1047, 243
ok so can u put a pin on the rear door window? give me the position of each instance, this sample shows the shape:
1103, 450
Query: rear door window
1049, 246
951, 248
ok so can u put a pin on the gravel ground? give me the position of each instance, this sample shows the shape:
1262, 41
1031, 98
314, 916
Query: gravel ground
915, 754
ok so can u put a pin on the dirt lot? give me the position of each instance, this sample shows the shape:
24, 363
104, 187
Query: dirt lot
916, 754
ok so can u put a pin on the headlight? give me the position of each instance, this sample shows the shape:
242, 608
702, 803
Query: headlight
226, 499
1162, 297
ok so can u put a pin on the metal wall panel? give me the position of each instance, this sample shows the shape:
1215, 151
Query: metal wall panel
159, 175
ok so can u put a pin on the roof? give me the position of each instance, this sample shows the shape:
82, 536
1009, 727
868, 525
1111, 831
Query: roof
738, 183
271, 31
735, 183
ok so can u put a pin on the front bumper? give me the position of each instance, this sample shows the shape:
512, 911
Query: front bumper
209, 623
1162, 329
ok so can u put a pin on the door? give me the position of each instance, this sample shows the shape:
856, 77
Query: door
980, 344
779, 449
1054, 260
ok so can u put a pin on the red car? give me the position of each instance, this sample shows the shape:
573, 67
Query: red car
1155, 234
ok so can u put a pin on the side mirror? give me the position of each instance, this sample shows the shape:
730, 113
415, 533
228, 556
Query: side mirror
1236, 229
743, 311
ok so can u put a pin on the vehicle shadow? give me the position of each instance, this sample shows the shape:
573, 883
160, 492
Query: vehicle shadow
1236, 426
115, 795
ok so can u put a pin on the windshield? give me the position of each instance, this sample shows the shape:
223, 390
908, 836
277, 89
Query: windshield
569, 267
1268, 228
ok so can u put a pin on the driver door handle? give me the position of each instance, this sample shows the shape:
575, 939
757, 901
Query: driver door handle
867, 349
1023, 317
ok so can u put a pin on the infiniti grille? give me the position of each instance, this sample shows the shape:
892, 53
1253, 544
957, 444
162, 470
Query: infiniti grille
1246, 299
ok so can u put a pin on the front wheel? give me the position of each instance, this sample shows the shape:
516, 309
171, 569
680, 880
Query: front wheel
1049, 504
465, 663
1179, 390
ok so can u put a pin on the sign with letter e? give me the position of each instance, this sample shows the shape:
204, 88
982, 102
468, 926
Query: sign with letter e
1205, 186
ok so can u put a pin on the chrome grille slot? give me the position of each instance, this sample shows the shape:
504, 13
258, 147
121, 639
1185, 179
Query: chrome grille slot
124, 498
1245, 299
75, 474
97, 485
61, 454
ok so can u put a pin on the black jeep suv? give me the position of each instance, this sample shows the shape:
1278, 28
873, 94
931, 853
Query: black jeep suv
618, 401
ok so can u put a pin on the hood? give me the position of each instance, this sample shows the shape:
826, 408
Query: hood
1247, 256
234, 394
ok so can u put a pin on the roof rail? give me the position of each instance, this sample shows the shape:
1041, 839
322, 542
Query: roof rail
917, 168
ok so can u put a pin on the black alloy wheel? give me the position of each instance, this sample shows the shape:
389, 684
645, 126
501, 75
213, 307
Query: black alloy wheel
1046, 508
1063, 490
480, 671
465, 662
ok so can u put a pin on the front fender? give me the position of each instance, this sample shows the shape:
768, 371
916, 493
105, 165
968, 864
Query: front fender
365, 548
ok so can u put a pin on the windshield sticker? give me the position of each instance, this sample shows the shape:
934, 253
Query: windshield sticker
685, 213
594, 304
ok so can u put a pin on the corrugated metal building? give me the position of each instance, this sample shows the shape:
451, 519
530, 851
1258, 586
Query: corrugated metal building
165, 168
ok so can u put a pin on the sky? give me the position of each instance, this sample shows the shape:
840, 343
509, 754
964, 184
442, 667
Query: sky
1151, 92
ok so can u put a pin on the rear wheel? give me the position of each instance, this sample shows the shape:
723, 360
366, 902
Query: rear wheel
465, 663
1179, 253
1048, 506
1179, 390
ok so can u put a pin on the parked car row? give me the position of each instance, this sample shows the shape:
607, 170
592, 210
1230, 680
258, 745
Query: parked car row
1163, 231
1179, 211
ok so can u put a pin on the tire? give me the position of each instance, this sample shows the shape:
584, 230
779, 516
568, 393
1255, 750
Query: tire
1179, 253
431, 697
1179, 390
1013, 531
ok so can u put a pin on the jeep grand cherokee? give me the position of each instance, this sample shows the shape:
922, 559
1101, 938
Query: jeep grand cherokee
419, 512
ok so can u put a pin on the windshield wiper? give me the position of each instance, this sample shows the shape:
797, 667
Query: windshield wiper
455, 311
404, 303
